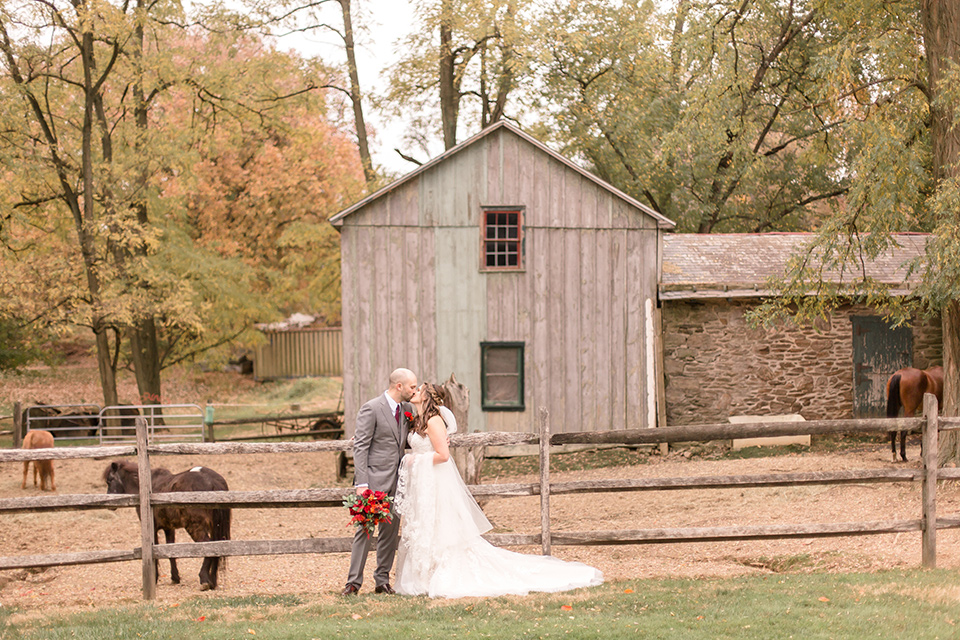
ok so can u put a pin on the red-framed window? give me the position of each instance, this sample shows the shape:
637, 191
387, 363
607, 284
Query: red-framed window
502, 239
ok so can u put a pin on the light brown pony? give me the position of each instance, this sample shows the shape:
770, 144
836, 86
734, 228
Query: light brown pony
905, 388
39, 439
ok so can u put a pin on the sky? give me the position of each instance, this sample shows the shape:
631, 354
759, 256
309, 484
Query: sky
386, 21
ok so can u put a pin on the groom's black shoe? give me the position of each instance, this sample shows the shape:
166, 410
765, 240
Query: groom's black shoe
351, 590
384, 588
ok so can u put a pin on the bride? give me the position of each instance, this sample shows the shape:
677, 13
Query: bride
442, 553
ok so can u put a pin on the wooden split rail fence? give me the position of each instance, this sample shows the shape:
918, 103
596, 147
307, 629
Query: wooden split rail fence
927, 524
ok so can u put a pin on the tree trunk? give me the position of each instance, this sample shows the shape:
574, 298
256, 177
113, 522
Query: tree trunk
941, 39
507, 76
108, 379
108, 371
949, 447
449, 98
143, 335
146, 360
469, 460
355, 95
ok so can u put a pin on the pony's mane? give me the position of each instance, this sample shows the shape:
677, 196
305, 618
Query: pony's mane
130, 468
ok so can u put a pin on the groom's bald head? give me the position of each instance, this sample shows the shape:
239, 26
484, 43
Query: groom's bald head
403, 384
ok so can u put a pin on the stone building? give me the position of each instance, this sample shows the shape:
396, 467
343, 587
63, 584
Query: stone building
716, 365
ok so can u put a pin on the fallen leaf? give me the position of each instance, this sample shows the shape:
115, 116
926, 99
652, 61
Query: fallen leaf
251, 632
566, 607
823, 599
201, 618
628, 590
356, 616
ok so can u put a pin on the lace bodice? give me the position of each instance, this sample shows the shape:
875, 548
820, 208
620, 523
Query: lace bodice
419, 443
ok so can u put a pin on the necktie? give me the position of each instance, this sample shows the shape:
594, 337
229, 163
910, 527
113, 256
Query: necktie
397, 414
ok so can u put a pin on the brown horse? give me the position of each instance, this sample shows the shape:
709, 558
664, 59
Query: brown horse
905, 388
202, 524
39, 439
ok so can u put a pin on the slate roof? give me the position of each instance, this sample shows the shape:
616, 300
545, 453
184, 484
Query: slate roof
738, 265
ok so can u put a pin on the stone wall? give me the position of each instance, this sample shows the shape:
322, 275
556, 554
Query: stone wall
716, 365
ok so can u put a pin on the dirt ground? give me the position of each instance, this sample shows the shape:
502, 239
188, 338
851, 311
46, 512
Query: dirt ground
323, 575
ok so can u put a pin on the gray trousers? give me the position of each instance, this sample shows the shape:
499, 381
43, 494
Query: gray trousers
388, 538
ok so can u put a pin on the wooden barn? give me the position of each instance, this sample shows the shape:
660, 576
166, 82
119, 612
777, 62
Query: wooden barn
716, 365
506, 264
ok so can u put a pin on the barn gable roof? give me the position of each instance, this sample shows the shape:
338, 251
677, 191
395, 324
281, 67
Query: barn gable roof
739, 265
662, 221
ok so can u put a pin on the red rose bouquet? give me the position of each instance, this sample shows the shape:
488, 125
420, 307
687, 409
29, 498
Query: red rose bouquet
368, 509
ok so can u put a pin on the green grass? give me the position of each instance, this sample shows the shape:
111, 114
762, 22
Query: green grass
892, 604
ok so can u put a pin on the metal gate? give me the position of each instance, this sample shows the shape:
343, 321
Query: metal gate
165, 423
64, 421
879, 349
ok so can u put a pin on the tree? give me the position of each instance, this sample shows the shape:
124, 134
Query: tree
92, 129
286, 18
477, 58
262, 179
896, 72
34, 76
941, 40
708, 112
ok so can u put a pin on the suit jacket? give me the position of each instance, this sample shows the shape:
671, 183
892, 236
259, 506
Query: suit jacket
378, 444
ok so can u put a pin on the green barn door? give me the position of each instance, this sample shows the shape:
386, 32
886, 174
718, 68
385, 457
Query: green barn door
878, 350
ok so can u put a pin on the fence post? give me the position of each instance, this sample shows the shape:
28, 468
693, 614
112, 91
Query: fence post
545, 480
208, 435
930, 441
17, 425
149, 567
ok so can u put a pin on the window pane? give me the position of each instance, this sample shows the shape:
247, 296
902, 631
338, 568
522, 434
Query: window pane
502, 370
502, 360
500, 236
503, 390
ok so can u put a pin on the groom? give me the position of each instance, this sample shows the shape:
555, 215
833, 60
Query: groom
378, 444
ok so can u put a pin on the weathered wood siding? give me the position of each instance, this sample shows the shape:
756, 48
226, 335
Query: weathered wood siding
299, 353
388, 297
414, 295
579, 305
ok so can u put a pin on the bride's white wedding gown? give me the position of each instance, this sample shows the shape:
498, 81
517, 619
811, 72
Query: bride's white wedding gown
442, 553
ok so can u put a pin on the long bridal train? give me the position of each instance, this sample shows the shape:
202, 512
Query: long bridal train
442, 553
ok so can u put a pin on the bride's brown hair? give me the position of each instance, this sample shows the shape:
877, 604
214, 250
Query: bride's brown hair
433, 397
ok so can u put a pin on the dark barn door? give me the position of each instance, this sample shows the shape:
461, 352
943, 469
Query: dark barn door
878, 350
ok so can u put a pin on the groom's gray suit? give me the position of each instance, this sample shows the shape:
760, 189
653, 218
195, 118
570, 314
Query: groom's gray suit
377, 449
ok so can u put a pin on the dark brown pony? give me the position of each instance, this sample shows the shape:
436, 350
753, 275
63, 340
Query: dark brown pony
202, 524
905, 388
